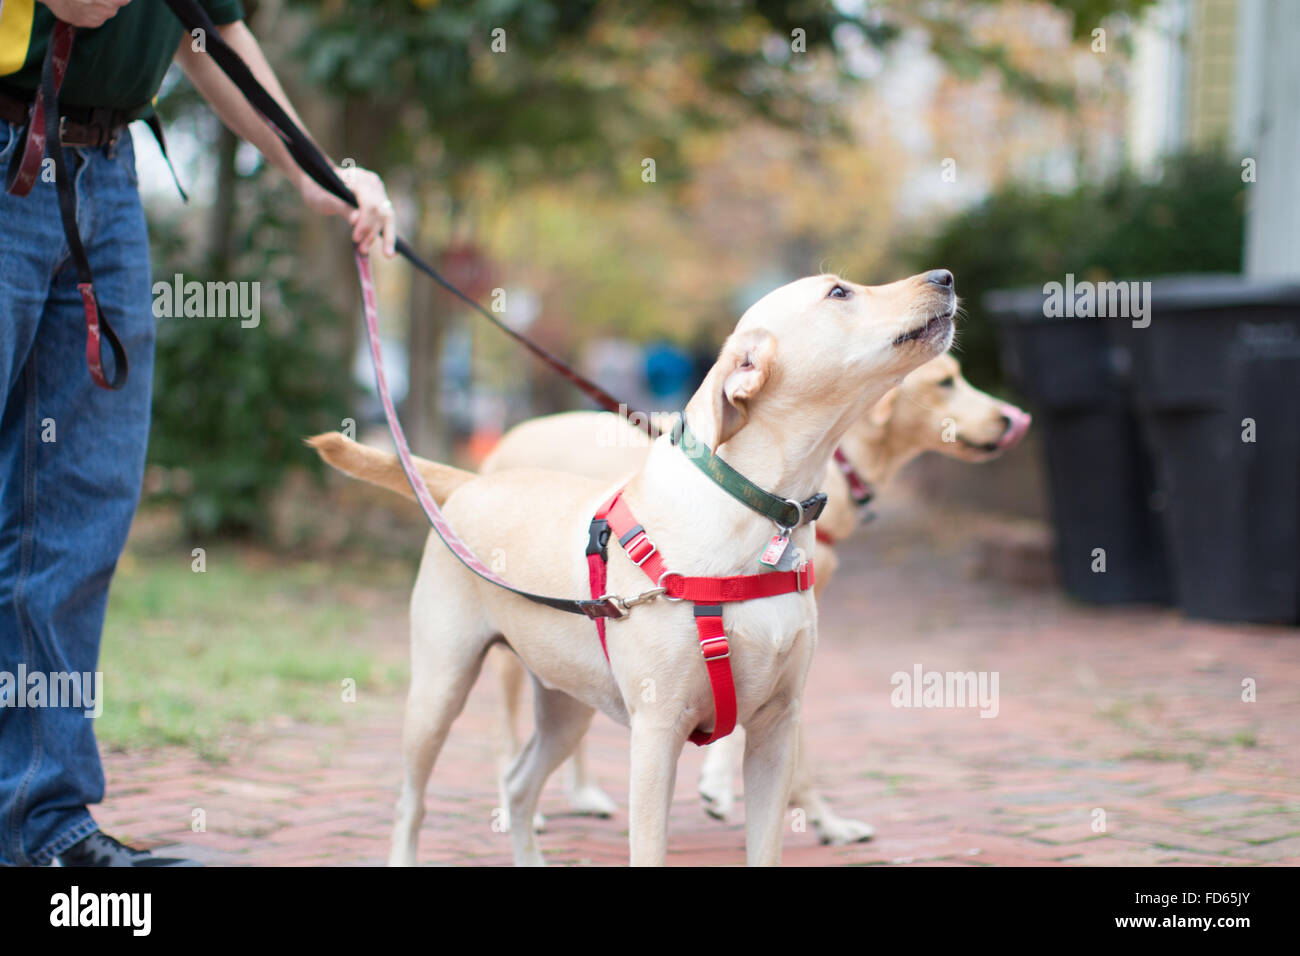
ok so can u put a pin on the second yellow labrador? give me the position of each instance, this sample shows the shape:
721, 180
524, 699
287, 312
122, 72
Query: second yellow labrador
803, 364
934, 409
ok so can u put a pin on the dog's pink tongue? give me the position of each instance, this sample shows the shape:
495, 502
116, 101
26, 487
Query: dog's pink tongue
1020, 420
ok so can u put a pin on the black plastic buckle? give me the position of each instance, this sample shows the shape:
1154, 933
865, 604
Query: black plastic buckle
598, 537
813, 507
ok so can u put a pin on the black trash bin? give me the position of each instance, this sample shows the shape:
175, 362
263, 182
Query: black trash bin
1219, 365
1100, 478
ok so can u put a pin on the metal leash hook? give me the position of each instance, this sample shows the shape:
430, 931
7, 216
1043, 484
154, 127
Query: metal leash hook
627, 604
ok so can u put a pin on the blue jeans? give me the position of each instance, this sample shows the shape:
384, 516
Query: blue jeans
71, 463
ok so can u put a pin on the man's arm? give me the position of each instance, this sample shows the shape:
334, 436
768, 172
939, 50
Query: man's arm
374, 217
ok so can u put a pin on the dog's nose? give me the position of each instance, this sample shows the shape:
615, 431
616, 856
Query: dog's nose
940, 277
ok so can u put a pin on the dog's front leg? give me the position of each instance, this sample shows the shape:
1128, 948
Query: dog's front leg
771, 747
655, 749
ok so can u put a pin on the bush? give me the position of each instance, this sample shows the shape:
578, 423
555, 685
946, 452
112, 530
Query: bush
1189, 220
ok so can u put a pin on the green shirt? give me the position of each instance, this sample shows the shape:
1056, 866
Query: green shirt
119, 65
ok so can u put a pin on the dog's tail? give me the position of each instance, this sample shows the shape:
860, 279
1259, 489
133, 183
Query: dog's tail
383, 469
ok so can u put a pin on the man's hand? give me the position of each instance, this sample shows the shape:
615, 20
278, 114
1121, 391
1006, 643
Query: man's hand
85, 13
374, 217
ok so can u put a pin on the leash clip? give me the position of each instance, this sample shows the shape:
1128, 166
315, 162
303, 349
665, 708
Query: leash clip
625, 605
645, 597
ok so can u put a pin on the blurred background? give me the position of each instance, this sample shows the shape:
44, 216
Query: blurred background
623, 180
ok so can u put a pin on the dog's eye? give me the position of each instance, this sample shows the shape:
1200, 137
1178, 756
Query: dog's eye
948, 382
838, 292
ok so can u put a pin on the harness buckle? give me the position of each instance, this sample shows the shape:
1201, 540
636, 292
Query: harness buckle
597, 536
799, 573
645, 557
634, 539
726, 649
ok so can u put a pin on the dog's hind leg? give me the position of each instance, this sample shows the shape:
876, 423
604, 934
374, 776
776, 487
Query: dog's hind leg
560, 723
585, 795
831, 828
510, 673
446, 656
717, 776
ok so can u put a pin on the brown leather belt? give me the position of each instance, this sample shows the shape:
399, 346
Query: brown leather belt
79, 127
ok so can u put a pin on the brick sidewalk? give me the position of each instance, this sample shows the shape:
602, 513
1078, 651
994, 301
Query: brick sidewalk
1137, 713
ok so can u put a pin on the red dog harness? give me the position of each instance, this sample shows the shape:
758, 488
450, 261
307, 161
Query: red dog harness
707, 594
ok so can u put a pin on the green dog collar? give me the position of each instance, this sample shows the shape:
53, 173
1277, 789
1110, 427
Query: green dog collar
785, 512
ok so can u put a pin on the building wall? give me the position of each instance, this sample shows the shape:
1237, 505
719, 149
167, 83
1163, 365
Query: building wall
1211, 62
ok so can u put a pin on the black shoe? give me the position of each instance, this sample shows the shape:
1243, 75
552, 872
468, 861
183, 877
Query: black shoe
100, 849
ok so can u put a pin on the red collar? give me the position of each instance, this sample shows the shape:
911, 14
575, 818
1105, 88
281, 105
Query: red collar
707, 594
859, 488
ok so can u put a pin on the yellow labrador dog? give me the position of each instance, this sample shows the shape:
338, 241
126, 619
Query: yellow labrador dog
803, 364
934, 409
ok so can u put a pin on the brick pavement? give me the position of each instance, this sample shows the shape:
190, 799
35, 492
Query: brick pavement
1134, 712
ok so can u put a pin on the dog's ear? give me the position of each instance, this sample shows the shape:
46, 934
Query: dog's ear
883, 409
739, 374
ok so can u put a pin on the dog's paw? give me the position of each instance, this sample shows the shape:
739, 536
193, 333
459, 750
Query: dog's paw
719, 801
840, 831
591, 801
539, 822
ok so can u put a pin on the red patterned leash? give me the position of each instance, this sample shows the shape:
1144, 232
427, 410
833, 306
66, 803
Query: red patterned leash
44, 133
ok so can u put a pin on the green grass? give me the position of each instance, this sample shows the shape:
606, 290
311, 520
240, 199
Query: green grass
202, 660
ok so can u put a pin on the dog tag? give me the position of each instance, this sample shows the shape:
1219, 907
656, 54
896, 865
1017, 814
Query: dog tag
775, 550
793, 558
